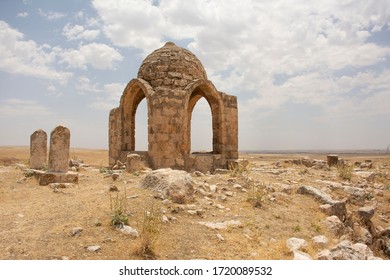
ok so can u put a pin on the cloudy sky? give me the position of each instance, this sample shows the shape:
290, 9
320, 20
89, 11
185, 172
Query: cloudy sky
307, 74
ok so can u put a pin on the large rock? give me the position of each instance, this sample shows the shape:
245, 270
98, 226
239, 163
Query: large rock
345, 250
366, 213
334, 224
294, 243
338, 207
176, 185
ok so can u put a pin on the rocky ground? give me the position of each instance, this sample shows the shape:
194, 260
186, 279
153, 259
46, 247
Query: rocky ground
270, 207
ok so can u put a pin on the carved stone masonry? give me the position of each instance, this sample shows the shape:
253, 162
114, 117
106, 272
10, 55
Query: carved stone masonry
172, 80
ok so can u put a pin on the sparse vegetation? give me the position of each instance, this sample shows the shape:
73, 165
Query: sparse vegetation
345, 171
118, 205
256, 192
238, 169
149, 232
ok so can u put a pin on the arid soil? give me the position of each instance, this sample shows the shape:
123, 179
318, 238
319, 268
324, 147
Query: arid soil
38, 222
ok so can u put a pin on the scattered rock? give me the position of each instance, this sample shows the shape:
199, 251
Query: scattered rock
335, 225
362, 235
198, 174
213, 188
176, 185
294, 243
113, 188
220, 237
129, 230
164, 219
301, 256
221, 225
221, 171
366, 213
338, 207
77, 231
320, 241
60, 185
369, 176
345, 250
94, 248
115, 176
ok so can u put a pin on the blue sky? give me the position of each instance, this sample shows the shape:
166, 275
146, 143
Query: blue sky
307, 74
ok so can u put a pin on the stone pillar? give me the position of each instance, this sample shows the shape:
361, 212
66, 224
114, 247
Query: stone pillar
333, 160
134, 163
38, 149
59, 149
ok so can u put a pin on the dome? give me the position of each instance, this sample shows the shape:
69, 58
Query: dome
171, 66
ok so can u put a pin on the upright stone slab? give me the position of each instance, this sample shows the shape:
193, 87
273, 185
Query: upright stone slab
59, 149
59, 159
38, 149
332, 160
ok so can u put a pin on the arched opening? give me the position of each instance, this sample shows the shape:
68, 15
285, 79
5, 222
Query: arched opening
201, 128
213, 102
141, 126
130, 104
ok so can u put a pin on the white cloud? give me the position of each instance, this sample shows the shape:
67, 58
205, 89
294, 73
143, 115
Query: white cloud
51, 15
111, 97
78, 32
99, 56
26, 57
84, 85
18, 107
22, 14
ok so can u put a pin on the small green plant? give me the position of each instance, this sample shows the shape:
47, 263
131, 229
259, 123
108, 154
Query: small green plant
369, 196
237, 169
150, 229
296, 228
303, 171
105, 170
256, 193
118, 205
316, 227
345, 171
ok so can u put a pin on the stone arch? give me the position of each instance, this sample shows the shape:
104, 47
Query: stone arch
196, 90
135, 91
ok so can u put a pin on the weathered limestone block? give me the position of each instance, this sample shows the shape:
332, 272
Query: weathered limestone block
332, 160
59, 149
134, 163
38, 149
55, 177
338, 207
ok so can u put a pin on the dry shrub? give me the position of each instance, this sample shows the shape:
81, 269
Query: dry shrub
150, 227
345, 171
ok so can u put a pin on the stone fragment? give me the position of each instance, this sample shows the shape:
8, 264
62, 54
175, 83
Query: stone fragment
113, 188
51, 177
129, 231
345, 250
324, 255
59, 149
60, 185
220, 237
369, 176
366, 213
332, 160
320, 241
176, 185
338, 207
134, 163
294, 243
221, 225
335, 225
94, 248
301, 256
77, 231
38, 149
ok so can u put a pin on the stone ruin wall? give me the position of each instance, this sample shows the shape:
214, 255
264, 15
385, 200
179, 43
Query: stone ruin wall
172, 80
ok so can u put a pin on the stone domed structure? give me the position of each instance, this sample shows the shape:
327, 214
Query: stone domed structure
172, 79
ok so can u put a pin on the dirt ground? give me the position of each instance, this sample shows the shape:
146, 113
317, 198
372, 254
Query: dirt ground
37, 222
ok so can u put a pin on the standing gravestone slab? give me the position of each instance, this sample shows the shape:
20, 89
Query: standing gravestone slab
38, 149
59, 149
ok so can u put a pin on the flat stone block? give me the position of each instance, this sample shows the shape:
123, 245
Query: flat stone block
57, 177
